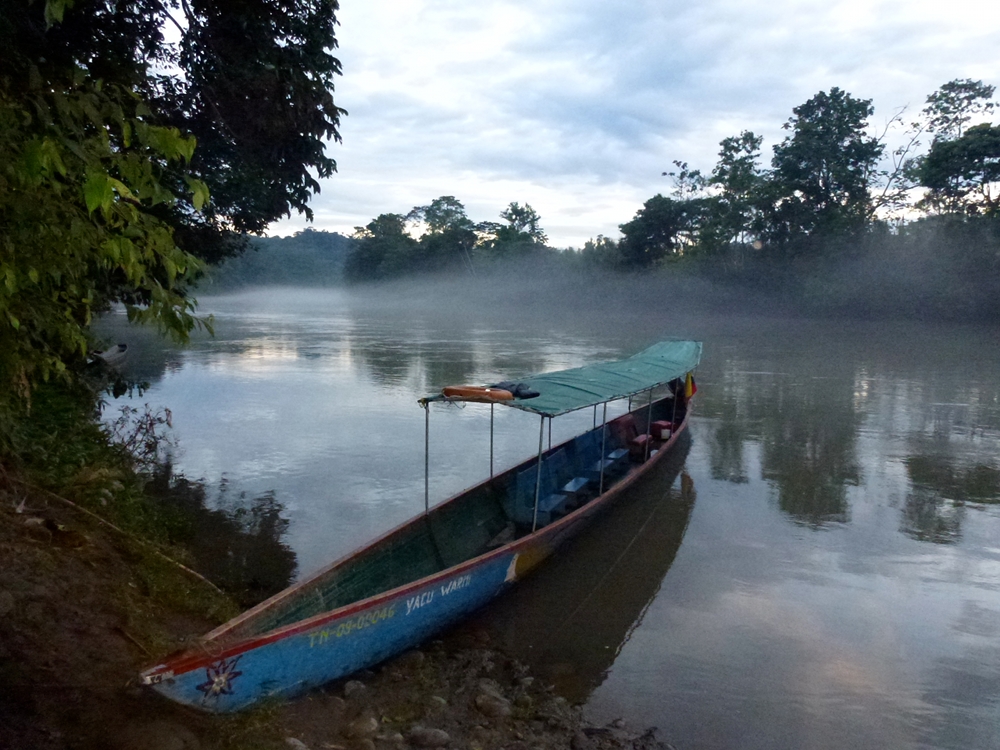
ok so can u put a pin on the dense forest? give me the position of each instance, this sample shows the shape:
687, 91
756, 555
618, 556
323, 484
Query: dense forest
837, 223
306, 258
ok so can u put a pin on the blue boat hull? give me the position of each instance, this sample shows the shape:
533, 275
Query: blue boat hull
316, 655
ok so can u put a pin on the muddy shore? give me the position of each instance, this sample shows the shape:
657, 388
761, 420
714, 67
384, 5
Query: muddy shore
83, 609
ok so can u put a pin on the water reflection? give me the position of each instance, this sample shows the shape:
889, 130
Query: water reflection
936, 507
449, 362
570, 619
807, 429
978, 484
727, 452
237, 543
928, 517
387, 362
417, 353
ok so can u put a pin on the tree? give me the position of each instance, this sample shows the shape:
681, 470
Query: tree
602, 251
82, 194
442, 214
261, 120
660, 229
963, 175
104, 196
450, 234
383, 249
955, 104
309, 257
689, 184
522, 231
961, 164
523, 222
735, 210
823, 171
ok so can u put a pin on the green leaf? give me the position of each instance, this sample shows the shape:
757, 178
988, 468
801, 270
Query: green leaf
54, 11
98, 191
199, 191
121, 188
31, 158
187, 147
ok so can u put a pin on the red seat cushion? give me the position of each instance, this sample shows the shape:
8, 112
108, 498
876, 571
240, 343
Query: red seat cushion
661, 429
637, 447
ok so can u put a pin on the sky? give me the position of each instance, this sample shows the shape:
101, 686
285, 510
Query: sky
577, 107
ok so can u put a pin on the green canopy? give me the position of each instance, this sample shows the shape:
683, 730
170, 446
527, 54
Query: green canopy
568, 390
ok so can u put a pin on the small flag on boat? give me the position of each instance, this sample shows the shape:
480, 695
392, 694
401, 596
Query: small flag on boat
689, 386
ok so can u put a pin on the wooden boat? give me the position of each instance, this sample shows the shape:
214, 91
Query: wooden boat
436, 568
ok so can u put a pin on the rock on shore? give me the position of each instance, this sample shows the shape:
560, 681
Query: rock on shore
452, 694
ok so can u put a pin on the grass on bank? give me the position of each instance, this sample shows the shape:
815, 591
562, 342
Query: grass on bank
56, 448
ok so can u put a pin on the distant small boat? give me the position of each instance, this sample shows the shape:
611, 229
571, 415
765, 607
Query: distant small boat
113, 356
441, 565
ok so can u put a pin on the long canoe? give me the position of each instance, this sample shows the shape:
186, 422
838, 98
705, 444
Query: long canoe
437, 567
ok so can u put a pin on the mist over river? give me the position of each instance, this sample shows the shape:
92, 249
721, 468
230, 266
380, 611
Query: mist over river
818, 568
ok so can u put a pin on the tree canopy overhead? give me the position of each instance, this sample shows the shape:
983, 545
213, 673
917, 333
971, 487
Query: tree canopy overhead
138, 139
250, 80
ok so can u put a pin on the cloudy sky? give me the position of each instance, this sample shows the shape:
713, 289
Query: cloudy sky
578, 106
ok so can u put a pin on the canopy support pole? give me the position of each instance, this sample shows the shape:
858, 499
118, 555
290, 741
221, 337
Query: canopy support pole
550, 433
491, 438
538, 473
604, 442
673, 416
649, 422
427, 459
595, 416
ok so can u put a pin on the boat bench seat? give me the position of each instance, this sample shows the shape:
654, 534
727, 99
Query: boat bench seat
561, 477
637, 447
552, 504
614, 465
626, 433
559, 491
661, 429
549, 503
617, 457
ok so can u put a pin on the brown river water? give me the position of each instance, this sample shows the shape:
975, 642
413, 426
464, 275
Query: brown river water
818, 567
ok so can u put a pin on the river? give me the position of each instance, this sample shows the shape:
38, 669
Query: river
820, 568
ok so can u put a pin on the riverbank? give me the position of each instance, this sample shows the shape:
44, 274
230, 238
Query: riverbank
83, 608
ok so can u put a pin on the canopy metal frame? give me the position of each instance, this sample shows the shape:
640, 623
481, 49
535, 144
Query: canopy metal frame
426, 405
676, 365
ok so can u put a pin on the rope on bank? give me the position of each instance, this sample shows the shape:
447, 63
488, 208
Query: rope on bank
110, 525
